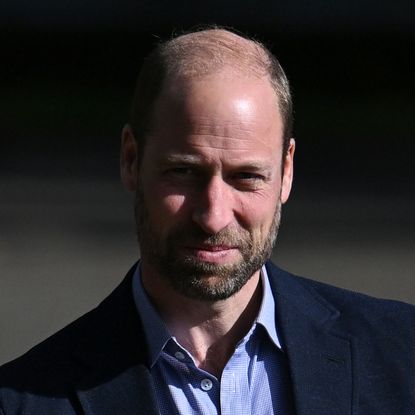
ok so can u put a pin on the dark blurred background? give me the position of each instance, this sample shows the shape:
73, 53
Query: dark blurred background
66, 78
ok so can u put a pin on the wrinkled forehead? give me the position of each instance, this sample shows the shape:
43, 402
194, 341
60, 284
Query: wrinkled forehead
217, 91
221, 110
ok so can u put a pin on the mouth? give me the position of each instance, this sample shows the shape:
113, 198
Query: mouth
213, 253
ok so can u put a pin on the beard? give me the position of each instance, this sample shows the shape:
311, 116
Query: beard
191, 276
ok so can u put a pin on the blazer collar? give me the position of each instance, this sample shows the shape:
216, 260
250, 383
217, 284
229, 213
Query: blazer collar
117, 379
320, 358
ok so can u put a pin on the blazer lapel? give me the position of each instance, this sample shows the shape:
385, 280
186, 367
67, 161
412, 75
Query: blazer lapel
320, 359
113, 354
129, 393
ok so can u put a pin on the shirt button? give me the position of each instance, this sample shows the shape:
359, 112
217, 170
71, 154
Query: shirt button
179, 355
206, 384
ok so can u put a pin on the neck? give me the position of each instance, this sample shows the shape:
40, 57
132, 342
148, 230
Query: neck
208, 330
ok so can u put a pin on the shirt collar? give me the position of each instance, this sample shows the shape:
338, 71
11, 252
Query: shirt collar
157, 334
267, 312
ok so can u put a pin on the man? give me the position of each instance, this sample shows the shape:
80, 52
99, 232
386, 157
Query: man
203, 324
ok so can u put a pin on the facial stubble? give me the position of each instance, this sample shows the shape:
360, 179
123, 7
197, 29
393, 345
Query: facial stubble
191, 276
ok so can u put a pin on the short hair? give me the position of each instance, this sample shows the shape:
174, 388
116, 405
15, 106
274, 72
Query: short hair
201, 53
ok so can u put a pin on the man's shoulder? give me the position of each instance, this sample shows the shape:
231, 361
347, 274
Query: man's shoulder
89, 340
356, 311
375, 336
52, 354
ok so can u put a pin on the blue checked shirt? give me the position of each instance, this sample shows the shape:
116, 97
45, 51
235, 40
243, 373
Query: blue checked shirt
255, 381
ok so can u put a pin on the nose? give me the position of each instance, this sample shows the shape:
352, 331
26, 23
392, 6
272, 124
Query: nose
214, 209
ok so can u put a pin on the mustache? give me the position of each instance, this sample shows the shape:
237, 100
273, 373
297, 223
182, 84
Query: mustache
193, 236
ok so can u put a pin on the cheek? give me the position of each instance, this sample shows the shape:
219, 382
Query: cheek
165, 207
173, 204
258, 213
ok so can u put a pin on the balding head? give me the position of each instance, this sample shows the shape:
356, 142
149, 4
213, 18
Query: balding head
202, 54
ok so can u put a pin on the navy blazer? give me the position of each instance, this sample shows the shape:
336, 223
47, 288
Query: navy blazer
349, 354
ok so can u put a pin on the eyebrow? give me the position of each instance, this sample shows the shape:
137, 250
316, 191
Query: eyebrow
181, 158
196, 159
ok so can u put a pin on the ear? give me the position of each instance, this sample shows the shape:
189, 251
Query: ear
129, 159
288, 171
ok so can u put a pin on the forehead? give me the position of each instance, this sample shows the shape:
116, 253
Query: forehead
220, 112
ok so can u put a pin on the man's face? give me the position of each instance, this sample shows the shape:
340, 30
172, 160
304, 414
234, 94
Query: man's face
210, 185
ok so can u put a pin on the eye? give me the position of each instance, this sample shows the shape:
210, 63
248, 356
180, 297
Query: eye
248, 176
248, 181
180, 172
185, 171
